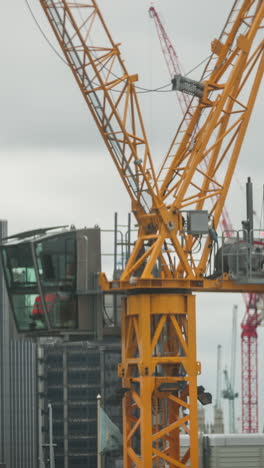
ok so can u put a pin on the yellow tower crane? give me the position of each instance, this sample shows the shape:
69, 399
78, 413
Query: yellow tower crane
176, 230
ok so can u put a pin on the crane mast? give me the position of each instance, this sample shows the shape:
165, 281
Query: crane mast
159, 364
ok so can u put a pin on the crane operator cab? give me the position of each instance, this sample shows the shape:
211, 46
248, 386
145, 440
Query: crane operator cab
51, 279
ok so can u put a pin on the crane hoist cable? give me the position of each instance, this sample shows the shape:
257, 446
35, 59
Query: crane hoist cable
142, 89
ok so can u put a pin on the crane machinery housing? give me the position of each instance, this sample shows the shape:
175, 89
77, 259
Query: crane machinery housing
173, 256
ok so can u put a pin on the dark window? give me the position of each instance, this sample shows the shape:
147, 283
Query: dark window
41, 276
19, 266
62, 309
82, 412
23, 307
56, 259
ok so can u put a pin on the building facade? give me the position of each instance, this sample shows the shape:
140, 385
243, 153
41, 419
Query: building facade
75, 374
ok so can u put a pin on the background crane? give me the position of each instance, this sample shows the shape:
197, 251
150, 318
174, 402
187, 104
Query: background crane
171, 58
249, 364
250, 321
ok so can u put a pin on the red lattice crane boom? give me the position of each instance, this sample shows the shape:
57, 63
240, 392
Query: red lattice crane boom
249, 363
170, 56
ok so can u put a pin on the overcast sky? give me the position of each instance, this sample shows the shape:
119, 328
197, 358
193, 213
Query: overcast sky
55, 169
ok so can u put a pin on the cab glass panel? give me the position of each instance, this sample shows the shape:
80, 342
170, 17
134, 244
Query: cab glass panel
22, 286
56, 262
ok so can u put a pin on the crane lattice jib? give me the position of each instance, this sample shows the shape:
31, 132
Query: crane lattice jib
108, 90
251, 320
213, 131
185, 100
222, 113
222, 48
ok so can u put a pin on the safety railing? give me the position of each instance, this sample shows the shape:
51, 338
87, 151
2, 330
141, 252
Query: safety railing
242, 255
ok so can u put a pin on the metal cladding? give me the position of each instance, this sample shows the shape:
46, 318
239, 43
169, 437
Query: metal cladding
23, 404
18, 426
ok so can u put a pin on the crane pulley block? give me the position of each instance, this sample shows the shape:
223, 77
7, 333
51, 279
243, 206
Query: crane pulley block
187, 86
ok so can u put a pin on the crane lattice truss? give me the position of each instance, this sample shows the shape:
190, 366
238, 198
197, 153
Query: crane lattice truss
249, 365
159, 364
249, 368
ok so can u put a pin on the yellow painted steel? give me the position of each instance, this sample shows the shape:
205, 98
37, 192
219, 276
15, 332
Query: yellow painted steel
160, 370
159, 364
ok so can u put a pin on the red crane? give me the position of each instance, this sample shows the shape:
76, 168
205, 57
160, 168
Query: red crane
251, 319
249, 364
171, 58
